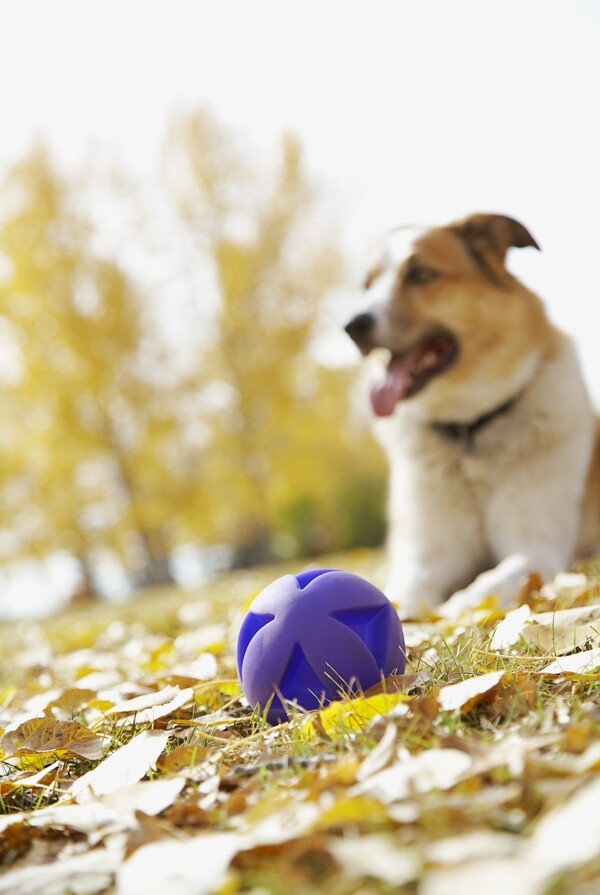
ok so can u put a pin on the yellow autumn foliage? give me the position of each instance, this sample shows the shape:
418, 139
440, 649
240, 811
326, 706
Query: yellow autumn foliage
109, 440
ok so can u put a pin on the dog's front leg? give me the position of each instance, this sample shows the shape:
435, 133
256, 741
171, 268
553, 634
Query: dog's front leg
436, 540
430, 556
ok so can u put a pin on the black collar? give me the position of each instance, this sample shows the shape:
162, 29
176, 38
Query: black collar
466, 432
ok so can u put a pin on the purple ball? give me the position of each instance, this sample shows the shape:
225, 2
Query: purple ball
313, 637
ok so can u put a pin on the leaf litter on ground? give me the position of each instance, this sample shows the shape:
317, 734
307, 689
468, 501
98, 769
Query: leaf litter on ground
131, 763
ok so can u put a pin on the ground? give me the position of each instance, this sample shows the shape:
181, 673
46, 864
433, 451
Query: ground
131, 762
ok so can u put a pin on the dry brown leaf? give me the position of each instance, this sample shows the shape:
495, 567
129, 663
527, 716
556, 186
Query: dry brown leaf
182, 757
150, 829
515, 695
49, 736
577, 737
426, 708
187, 813
403, 683
530, 590
15, 842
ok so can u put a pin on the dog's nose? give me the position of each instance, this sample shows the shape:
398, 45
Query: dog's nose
360, 327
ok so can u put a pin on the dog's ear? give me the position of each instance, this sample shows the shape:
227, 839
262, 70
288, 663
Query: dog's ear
488, 237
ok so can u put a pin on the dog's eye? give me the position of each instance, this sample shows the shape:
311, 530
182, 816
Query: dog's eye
420, 275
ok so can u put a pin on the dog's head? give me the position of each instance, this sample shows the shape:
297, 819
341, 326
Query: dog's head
462, 332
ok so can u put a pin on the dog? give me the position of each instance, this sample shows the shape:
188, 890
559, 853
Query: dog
484, 415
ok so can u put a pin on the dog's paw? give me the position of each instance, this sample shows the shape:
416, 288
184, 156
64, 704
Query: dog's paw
502, 581
413, 602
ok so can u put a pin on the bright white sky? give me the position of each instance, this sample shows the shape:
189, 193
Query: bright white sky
409, 110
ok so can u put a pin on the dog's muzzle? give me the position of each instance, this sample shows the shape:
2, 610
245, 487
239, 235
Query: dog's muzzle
360, 329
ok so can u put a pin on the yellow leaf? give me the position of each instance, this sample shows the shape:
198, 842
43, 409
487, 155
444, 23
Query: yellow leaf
70, 700
212, 694
353, 714
101, 705
46, 736
6, 694
357, 811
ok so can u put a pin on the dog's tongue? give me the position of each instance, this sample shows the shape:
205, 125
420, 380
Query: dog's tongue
408, 373
403, 371
395, 384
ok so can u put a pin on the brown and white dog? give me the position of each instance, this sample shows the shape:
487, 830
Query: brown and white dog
484, 415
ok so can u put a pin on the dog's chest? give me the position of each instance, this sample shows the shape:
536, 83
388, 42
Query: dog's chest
481, 451
474, 467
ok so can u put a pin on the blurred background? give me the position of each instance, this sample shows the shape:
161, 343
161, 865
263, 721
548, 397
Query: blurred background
189, 193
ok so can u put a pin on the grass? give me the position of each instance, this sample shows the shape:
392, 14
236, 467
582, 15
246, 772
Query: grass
438, 797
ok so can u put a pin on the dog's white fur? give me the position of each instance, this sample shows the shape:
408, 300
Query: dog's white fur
480, 512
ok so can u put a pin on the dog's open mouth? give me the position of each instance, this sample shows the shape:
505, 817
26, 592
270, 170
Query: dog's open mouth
408, 373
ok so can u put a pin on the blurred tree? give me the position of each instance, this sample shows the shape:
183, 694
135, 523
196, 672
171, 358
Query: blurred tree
117, 437
92, 436
281, 443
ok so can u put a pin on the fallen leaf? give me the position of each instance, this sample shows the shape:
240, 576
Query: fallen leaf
100, 817
30, 781
568, 836
51, 737
356, 714
558, 640
472, 846
577, 737
379, 856
587, 660
198, 866
125, 766
565, 764
182, 757
204, 668
426, 709
431, 769
514, 696
562, 618
468, 693
402, 683
494, 876
380, 755
509, 629
352, 813
69, 700
567, 585
86, 874
149, 707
